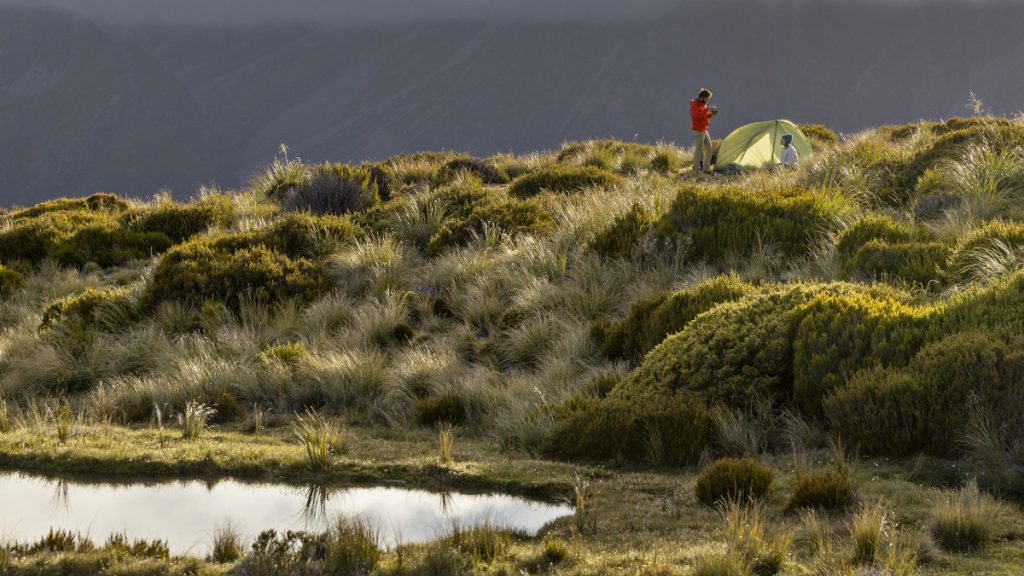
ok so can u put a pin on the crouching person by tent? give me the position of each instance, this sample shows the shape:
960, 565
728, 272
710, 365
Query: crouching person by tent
700, 116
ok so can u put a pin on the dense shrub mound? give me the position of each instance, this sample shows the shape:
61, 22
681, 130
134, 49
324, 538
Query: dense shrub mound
562, 179
726, 221
919, 263
736, 352
674, 430
734, 480
485, 170
92, 308
76, 232
650, 321
926, 406
873, 227
819, 134
622, 236
109, 245
179, 222
992, 310
827, 488
229, 268
838, 335
106, 203
11, 281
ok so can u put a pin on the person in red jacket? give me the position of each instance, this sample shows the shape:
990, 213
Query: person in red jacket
701, 115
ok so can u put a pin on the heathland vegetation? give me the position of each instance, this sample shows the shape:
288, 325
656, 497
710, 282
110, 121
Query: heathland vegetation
832, 357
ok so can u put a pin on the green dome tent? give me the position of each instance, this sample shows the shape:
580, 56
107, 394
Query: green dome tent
757, 145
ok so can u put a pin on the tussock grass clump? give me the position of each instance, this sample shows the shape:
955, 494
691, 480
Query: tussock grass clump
562, 179
445, 443
871, 227
319, 438
989, 252
753, 547
484, 544
962, 521
731, 479
868, 527
352, 547
194, 419
228, 545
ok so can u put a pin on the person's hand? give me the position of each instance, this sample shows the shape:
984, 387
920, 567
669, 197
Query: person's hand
714, 110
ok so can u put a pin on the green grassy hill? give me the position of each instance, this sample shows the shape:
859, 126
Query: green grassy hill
597, 305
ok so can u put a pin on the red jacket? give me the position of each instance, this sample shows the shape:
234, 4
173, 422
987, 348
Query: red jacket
700, 115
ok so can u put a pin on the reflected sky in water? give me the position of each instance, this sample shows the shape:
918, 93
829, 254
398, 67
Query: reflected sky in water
185, 514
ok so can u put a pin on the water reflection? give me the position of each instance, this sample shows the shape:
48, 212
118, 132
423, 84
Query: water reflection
184, 514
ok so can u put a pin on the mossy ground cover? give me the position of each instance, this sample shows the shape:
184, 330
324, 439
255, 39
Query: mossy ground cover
598, 306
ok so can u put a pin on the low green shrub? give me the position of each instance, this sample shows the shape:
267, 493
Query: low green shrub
622, 236
650, 321
230, 268
927, 405
179, 222
723, 221
838, 335
11, 281
872, 227
472, 211
109, 245
446, 408
101, 202
485, 170
31, 240
827, 488
306, 235
733, 479
671, 430
667, 161
919, 263
106, 308
562, 179
819, 134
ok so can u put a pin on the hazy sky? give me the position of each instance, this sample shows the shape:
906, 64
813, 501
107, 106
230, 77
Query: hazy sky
360, 11
343, 11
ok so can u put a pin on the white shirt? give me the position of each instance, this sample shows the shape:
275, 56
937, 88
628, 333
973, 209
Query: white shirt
789, 157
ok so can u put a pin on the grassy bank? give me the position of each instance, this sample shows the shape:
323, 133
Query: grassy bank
595, 309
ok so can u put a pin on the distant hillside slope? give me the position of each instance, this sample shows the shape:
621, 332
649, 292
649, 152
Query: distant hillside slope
82, 112
373, 91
